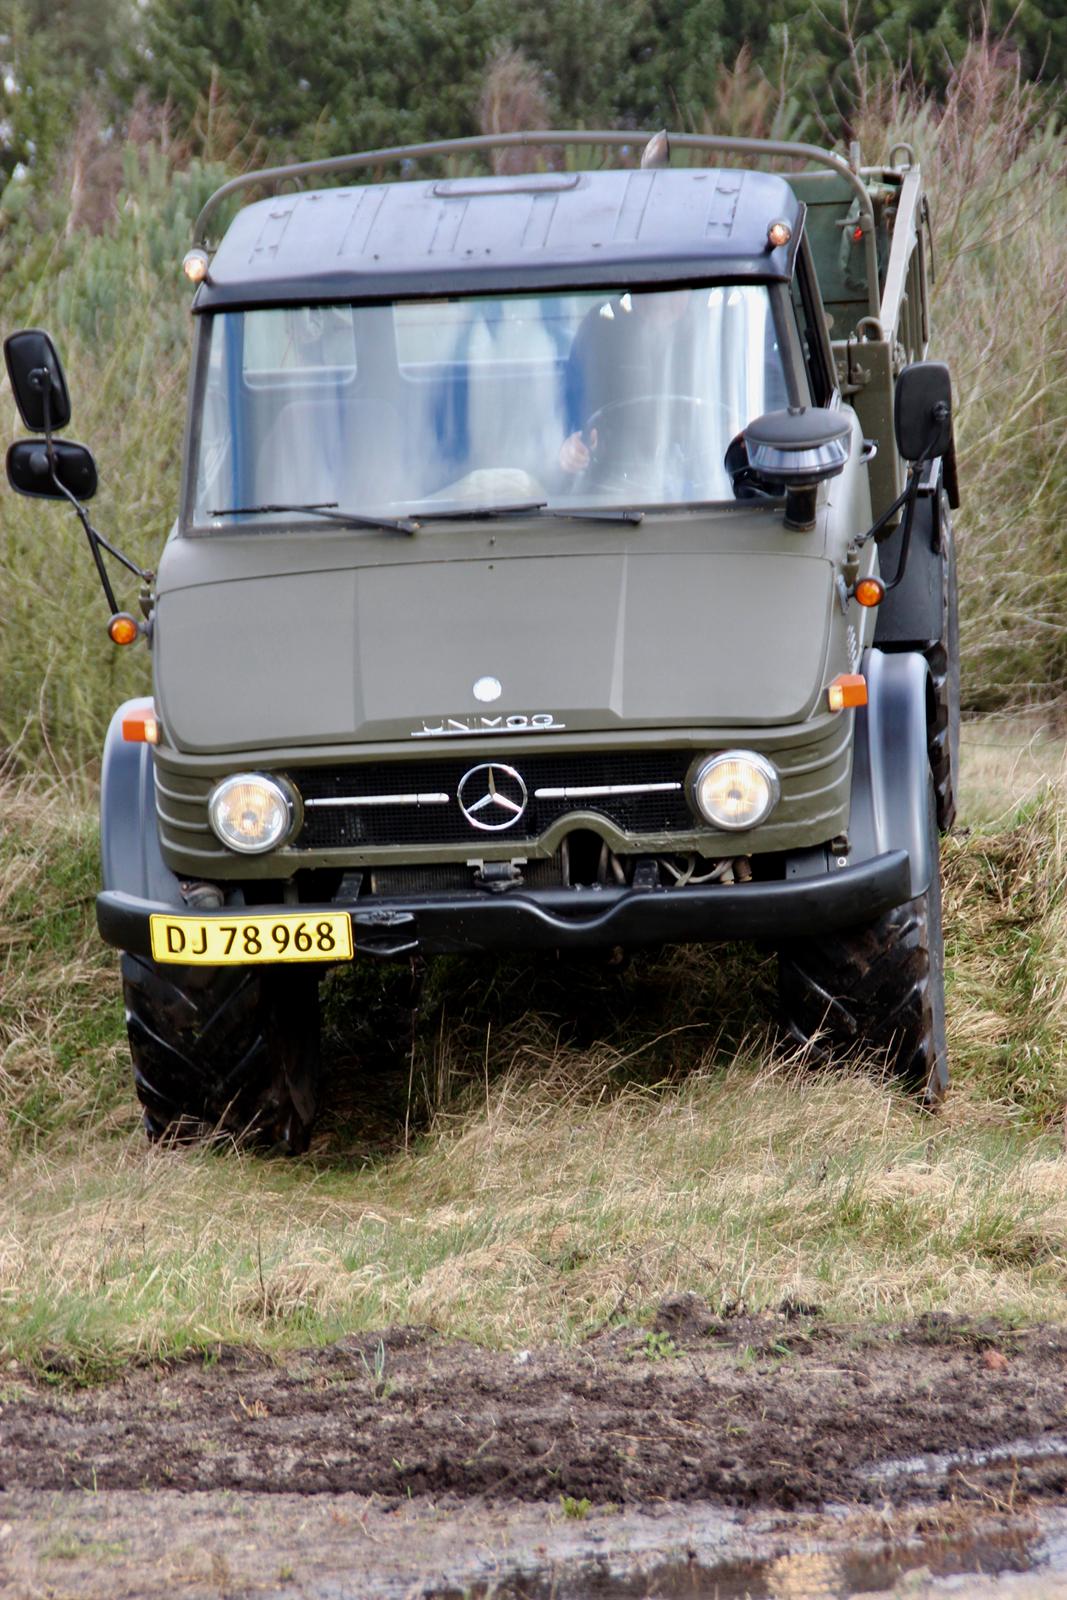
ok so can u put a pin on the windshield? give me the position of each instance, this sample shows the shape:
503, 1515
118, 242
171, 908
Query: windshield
571, 400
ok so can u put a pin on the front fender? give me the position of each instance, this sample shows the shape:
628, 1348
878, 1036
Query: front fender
130, 856
890, 766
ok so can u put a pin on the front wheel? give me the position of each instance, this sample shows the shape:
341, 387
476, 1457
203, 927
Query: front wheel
876, 992
224, 1048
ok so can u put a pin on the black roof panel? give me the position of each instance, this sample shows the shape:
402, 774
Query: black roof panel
471, 235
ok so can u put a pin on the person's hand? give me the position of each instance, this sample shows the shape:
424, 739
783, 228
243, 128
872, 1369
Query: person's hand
574, 453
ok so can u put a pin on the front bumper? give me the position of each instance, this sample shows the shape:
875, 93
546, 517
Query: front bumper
577, 919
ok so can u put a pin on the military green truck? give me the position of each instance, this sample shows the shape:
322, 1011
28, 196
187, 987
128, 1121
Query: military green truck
562, 562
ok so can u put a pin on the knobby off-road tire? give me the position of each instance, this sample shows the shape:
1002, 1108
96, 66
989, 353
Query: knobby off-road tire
944, 660
234, 1049
875, 993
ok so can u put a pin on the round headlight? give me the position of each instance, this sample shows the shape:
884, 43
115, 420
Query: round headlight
251, 813
737, 789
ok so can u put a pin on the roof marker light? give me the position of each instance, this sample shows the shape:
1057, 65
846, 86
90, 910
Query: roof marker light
779, 233
195, 265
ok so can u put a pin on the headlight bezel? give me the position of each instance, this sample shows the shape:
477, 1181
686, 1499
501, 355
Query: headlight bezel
702, 769
285, 793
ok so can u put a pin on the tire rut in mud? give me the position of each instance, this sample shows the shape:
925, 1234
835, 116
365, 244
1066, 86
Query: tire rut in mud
763, 1411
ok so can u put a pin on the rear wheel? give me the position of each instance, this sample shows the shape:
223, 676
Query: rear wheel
231, 1048
877, 991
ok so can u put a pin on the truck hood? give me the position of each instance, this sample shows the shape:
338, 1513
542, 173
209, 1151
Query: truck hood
577, 641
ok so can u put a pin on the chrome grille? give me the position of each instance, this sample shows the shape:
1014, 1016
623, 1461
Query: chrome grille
414, 802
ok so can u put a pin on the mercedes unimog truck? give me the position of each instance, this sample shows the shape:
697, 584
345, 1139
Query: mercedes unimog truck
562, 562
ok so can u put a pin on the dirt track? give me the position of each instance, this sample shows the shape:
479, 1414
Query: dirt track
751, 1414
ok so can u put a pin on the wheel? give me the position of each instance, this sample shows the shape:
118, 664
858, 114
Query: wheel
235, 1048
875, 991
944, 659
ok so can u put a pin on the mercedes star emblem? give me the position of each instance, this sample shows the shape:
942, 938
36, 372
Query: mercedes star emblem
492, 797
488, 689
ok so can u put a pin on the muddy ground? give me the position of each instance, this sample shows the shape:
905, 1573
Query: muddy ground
758, 1417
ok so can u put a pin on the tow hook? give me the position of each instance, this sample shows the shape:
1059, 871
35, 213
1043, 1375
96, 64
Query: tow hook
200, 895
498, 876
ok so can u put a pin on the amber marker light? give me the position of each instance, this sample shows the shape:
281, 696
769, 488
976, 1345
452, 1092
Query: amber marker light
141, 727
847, 689
779, 233
123, 629
870, 591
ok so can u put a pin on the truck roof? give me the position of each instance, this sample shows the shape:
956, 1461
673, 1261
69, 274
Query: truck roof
485, 235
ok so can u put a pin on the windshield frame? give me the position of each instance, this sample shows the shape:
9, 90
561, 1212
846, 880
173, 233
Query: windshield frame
782, 311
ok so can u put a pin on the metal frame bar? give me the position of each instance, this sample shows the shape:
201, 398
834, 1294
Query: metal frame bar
905, 240
553, 136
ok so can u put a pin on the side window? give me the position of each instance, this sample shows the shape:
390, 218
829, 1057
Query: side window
811, 324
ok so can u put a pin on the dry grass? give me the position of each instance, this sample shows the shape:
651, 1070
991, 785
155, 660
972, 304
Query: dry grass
994, 162
536, 1173
542, 1214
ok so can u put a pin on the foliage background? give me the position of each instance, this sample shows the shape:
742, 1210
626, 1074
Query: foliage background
118, 118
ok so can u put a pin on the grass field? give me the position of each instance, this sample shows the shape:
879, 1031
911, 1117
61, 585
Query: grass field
559, 1149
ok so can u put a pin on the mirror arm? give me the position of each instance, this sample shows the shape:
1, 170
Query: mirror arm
910, 495
95, 539
131, 566
876, 527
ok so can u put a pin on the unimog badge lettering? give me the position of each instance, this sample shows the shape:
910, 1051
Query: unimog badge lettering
453, 727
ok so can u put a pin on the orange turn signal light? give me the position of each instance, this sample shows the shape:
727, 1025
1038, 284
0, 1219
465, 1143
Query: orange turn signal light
847, 689
123, 629
141, 727
870, 591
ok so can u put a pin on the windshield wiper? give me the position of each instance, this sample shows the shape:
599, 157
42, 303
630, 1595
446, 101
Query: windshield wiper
470, 513
593, 514
528, 507
328, 510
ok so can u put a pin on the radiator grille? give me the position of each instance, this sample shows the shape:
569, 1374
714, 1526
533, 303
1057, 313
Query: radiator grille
442, 822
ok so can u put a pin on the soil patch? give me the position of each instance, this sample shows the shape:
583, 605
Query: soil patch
773, 1411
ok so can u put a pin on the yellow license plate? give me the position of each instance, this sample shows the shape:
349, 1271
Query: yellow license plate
240, 941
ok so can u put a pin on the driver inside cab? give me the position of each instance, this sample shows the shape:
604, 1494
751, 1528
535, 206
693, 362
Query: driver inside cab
636, 347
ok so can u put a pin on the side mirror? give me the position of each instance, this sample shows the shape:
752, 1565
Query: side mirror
36, 374
793, 451
29, 472
922, 411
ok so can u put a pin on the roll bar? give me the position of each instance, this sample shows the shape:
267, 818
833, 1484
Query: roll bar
553, 136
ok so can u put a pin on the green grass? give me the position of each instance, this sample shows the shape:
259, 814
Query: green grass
561, 1149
